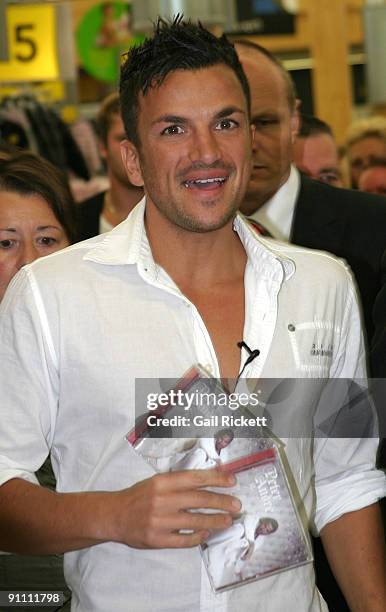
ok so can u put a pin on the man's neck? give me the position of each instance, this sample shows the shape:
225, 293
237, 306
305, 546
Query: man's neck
120, 200
252, 202
195, 259
256, 199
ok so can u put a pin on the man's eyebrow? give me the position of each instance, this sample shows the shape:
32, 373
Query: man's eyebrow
224, 112
265, 114
7, 229
330, 169
169, 119
229, 110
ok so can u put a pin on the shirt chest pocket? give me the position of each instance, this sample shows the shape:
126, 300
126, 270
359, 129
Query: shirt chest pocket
313, 344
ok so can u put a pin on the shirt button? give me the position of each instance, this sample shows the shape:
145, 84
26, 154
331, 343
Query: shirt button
208, 368
291, 327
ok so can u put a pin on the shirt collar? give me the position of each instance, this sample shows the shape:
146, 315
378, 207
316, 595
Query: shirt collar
262, 252
124, 243
277, 213
127, 243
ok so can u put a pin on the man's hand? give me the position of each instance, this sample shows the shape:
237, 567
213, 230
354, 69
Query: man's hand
152, 513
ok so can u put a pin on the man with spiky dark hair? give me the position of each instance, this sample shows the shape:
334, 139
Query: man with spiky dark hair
181, 281
173, 48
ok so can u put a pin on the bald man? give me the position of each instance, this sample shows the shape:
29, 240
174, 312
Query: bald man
294, 208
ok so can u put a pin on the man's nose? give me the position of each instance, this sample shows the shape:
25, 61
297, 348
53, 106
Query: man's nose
254, 143
205, 147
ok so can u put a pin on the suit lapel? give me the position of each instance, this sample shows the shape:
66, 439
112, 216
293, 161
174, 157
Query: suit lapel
316, 223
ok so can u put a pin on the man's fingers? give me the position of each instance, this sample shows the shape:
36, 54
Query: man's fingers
207, 499
193, 479
195, 521
205, 521
168, 510
186, 540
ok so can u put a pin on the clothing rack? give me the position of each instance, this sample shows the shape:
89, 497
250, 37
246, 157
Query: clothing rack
29, 123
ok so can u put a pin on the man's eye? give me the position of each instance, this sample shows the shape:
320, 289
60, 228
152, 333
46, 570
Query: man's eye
172, 130
6, 244
47, 241
329, 177
374, 159
262, 123
226, 124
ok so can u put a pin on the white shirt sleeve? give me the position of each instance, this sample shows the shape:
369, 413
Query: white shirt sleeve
28, 381
345, 475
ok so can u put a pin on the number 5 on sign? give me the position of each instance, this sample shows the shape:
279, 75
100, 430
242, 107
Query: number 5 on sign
32, 44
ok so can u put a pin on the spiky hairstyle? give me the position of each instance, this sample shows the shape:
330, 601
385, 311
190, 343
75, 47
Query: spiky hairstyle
175, 45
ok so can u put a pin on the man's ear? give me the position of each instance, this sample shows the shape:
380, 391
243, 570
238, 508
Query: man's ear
130, 159
102, 149
253, 133
295, 120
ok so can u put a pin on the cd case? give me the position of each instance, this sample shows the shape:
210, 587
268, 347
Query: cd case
183, 444
267, 537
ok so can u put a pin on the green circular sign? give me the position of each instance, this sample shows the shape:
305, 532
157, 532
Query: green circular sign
103, 34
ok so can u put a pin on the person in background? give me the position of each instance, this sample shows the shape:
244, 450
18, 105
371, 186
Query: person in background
295, 208
315, 151
37, 213
103, 211
373, 179
365, 145
347, 223
37, 217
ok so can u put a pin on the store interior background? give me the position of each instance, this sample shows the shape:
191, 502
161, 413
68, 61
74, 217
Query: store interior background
62, 52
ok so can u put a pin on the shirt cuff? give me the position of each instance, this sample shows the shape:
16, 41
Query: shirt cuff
352, 493
9, 473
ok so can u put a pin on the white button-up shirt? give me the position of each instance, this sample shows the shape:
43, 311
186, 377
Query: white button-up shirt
276, 215
79, 326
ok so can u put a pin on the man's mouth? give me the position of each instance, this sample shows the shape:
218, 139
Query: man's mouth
205, 183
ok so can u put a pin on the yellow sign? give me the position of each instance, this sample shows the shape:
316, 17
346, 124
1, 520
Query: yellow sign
32, 44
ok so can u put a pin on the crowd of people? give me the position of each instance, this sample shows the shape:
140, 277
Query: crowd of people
164, 272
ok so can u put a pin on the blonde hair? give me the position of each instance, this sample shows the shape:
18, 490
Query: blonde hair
366, 128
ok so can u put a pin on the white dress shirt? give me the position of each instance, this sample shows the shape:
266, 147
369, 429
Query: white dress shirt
277, 213
79, 326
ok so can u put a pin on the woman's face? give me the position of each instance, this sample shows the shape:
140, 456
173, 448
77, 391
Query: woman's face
28, 230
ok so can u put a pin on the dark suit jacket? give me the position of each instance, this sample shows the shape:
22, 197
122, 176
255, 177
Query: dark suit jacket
88, 213
352, 225
349, 224
378, 350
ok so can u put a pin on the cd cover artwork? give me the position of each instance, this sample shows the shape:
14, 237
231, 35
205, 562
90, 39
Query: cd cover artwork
203, 437
267, 537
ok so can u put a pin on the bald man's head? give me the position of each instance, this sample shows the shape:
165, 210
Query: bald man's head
249, 48
275, 117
